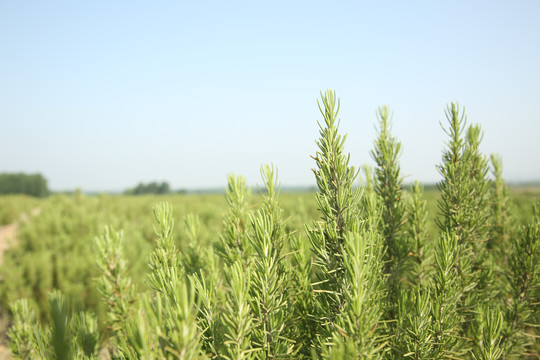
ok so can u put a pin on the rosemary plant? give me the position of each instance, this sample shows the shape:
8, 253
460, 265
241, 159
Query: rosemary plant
114, 284
417, 236
464, 207
338, 202
66, 338
238, 322
414, 322
28, 339
364, 281
270, 282
348, 250
522, 315
233, 244
503, 223
388, 185
305, 325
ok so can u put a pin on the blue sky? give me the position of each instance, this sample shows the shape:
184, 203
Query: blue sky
102, 95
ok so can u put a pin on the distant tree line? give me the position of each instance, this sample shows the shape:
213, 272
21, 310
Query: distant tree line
20, 183
150, 188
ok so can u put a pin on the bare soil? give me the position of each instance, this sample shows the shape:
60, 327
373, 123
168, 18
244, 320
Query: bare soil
5, 353
8, 237
8, 232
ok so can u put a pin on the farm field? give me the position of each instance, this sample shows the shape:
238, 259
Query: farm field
377, 270
48, 243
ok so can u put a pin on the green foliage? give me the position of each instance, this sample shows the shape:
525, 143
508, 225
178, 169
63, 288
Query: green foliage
28, 339
388, 185
85, 330
59, 338
464, 187
416, 326
65, 338
55, 250
17, 208
114, 285
33, 185
359, 324
417, 236
488, 338
464, 209
304, 327
338, 202
238, 322
211, 302
447, 292
193, 256
348, 250
165, 323
522, 301
234, 244
270, 282
414, 295
245, 278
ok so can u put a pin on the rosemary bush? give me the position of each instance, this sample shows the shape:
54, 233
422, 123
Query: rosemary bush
367, 280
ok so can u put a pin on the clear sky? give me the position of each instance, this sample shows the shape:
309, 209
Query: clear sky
102, 95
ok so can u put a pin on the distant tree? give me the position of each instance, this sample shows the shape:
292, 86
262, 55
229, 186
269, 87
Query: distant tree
150, 188
163, 188
20, 183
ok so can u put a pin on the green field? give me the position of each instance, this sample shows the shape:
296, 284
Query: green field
371, 271
55, 248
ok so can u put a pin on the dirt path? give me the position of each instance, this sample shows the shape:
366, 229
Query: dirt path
7, 238
5, 353
8, 234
